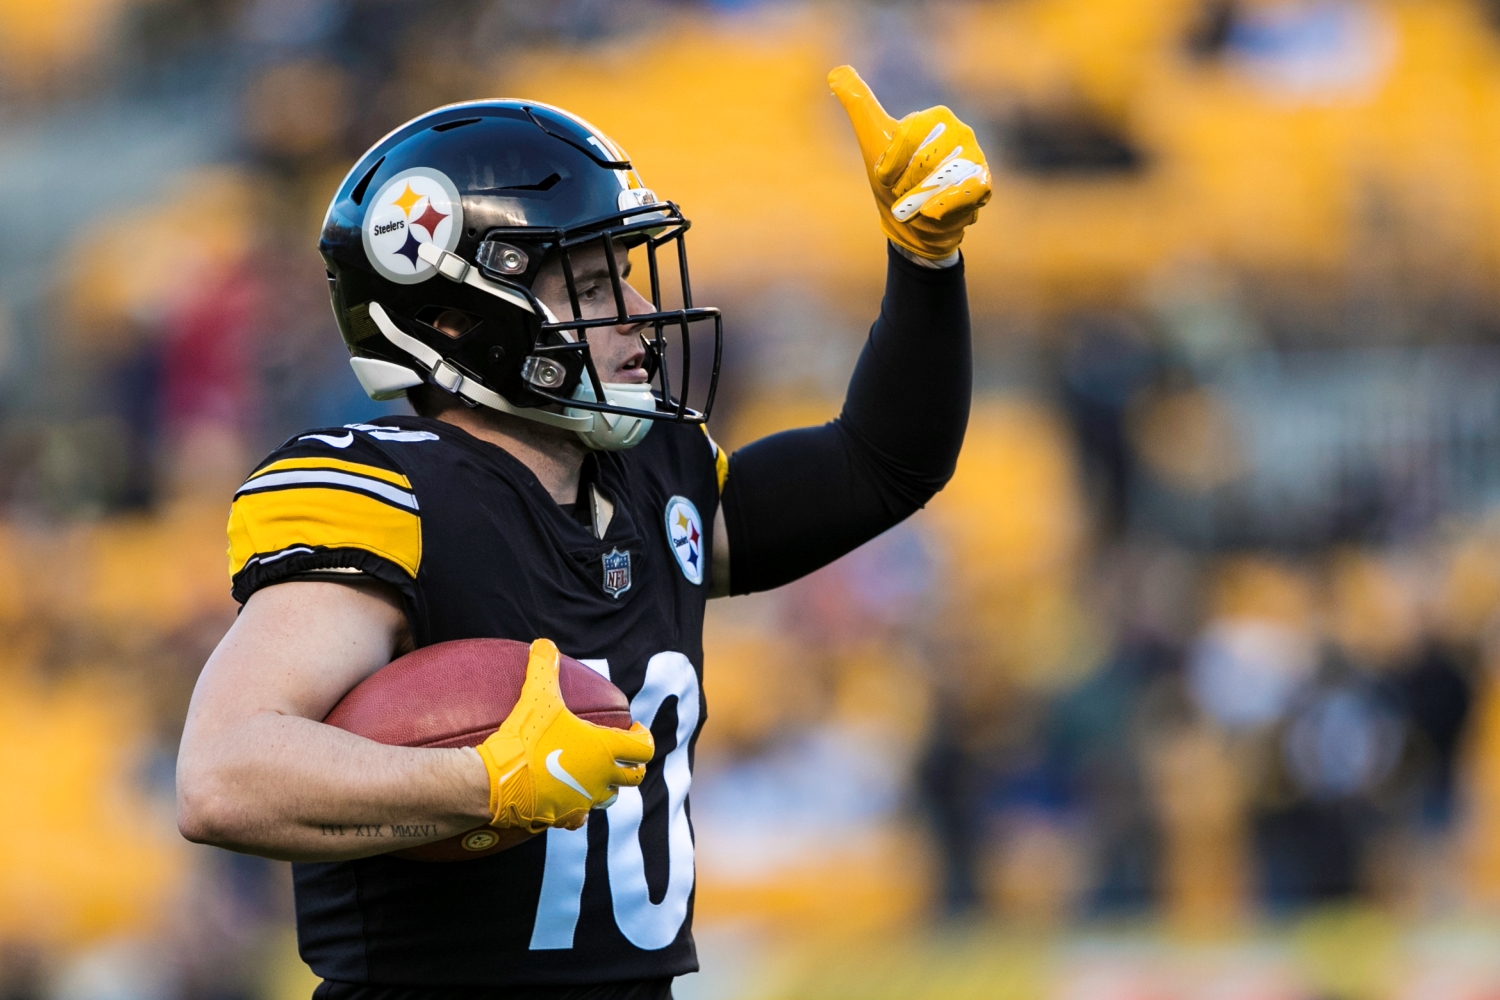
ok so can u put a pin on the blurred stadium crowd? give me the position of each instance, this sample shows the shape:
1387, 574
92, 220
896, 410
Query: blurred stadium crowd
1202, 642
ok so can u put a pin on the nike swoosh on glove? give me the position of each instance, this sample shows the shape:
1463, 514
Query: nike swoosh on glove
547, 766
928, 173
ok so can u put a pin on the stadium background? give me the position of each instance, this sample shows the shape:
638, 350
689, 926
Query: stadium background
1186, 687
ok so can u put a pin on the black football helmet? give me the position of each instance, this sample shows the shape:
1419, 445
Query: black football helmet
460, 209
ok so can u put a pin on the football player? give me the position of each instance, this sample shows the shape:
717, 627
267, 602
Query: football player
553, 486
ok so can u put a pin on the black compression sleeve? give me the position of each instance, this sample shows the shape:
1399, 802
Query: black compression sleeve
798, 500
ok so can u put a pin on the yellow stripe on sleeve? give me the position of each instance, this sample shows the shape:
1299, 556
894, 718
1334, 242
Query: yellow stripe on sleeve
721, 459
262, 524
358, 468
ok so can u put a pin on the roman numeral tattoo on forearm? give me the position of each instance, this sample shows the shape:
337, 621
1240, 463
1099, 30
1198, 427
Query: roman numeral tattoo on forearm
395, 831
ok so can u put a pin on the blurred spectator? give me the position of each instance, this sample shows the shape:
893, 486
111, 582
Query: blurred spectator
1107, 364
1436, 695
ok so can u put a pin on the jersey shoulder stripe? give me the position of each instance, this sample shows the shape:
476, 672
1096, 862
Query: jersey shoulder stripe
267, 524
300, 478
304, 511
721, 458
358, 468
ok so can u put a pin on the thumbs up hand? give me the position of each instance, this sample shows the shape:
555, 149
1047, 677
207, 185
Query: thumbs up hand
928, 173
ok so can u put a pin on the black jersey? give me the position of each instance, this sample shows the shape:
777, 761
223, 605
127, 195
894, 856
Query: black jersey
478, 548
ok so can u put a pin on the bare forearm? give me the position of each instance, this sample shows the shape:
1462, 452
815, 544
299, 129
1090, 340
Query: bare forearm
289, 788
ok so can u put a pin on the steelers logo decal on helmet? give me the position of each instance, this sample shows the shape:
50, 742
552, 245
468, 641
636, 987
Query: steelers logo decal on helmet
685, 535
418, 205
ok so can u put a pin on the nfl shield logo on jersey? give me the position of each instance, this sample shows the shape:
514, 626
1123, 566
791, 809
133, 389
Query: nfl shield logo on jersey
685, 532
616, 572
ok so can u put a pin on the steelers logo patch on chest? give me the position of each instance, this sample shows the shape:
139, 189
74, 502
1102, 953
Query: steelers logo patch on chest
685, 535
418, 205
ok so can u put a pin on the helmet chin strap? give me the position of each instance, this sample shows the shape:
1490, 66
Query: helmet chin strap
599, 431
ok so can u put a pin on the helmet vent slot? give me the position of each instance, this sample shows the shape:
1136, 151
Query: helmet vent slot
545, 184
358, 193
456, 124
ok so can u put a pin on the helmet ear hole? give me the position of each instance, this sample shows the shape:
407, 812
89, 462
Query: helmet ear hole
452, 323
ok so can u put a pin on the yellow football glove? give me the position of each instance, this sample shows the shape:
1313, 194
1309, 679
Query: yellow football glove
929, 175
547, 766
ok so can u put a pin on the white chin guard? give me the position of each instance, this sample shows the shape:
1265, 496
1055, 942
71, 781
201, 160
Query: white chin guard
614, 431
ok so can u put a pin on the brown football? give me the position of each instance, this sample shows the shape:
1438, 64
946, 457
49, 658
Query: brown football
455, 694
